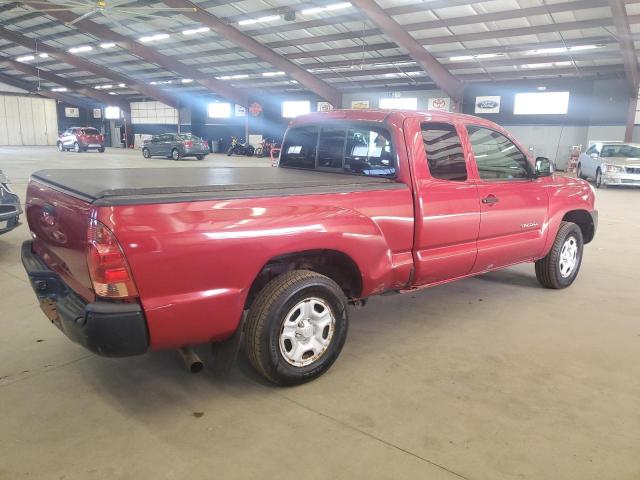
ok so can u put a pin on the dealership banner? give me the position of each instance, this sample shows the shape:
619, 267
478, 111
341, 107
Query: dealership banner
488, 104
442, 104
71, 112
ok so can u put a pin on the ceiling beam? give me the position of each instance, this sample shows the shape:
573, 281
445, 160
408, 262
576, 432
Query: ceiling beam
625, 39
98, 95
392, 29
146, 53
29, 88
94, 68
308, 80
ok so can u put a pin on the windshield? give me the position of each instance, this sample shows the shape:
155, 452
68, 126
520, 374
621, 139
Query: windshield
90, 131
620, 151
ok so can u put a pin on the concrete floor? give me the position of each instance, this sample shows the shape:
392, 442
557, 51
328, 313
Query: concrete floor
487, 378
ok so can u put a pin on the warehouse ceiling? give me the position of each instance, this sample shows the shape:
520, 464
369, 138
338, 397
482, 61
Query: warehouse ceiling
322, 46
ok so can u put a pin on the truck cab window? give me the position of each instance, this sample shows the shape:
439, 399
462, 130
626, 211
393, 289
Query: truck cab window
443, 148
497, 157
299, 149
331, 148
369, 152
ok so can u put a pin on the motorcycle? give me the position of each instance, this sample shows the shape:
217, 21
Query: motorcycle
240, 147
264, 150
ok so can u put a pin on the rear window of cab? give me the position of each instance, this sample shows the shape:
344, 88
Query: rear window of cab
360, 149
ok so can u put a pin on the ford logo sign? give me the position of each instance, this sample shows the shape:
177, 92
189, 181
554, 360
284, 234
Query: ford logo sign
487, 104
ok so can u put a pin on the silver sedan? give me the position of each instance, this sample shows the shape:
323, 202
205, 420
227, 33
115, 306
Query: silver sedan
611, 163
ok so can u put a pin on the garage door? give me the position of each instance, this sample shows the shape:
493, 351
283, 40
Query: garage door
27, 121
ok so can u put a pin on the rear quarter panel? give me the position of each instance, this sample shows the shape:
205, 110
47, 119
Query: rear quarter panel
194, 262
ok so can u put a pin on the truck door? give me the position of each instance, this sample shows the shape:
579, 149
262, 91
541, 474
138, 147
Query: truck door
447, 206
513, 202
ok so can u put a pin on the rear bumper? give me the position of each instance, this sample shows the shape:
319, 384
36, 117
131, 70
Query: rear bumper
106, 328
195, 151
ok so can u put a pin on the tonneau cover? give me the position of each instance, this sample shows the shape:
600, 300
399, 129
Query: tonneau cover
125, 186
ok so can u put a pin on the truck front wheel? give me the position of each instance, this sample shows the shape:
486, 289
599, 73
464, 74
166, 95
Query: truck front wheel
296, 327
561, 265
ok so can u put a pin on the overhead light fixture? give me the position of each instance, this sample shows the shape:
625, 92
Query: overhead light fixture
461, 57
232, 77
122, 85
186, 80
329, 8
541, 51
578, 48
537, 65
112, 93
154, 38
25, 58
107, 45
489, 55
59, 89
479, 56
251, 21
193, 31
103, 87
272, 74
82, 48
163, 82
43, 55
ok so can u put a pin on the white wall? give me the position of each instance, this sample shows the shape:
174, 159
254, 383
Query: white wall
156, 113
27, 120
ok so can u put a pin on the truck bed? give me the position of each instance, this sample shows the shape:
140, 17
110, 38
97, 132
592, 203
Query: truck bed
160, 185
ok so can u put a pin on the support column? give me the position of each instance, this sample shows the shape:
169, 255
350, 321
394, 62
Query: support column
631, 119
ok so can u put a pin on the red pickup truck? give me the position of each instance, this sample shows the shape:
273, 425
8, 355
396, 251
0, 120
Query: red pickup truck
363, 203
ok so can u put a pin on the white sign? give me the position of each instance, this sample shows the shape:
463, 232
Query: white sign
112, 113
71, 112
487, 104
360, 104
97, 113
324, 107
442, 104
240, 111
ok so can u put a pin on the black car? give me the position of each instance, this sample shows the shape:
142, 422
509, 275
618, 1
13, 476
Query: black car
10, 209
176, 146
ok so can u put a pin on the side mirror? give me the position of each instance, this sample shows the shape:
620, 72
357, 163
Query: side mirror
543, 167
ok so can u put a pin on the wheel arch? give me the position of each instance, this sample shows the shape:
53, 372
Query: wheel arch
584, 220
336, 265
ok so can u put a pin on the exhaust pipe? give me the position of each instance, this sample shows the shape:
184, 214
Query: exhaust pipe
191, 359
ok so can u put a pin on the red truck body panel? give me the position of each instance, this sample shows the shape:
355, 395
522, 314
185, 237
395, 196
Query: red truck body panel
194, 262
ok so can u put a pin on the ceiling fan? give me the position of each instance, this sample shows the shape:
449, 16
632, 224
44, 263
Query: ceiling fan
107, 8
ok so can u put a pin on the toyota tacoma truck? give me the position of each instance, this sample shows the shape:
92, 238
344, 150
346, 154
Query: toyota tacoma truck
362, 203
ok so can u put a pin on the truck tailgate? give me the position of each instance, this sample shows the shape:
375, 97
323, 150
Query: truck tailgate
59, 224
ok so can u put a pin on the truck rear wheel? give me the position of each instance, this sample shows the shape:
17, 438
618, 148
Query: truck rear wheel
296, 327
561, 265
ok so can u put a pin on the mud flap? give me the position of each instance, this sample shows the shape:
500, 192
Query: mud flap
225, 353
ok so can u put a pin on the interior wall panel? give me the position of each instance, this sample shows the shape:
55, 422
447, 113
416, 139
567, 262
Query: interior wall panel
4, 137
39, 121
26, 121
51, 119
13, 120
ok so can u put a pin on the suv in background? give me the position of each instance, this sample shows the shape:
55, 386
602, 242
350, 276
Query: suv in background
81, 139
176, 146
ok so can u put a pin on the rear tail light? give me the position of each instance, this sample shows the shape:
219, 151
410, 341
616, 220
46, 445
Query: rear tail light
205, 144
108, 268
188, 143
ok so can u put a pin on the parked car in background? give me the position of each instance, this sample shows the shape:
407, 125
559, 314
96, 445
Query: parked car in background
10, 209
364, 202
611, 163
81, 139
176, 146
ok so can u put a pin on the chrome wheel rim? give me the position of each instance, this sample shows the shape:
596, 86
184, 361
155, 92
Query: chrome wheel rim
568, 257
175, 154
306, 332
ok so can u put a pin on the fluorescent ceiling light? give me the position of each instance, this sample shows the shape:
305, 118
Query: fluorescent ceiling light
43, 55
25, 58
474, 57
153, 38
82, 48
59, 89
251, 21
112, 93
193, 31
107, 45
232, 77
329, 8
272, 74
461, 57
578, 48
489, 55
537, 65
186, 80
546, 50
103, 87
122, 85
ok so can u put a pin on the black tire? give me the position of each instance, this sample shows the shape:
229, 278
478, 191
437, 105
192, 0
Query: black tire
548, 270
200, 157
258, 152
268, 313
579, 173
230, 151
76, 147
598, 180
101, 150
250, 151
146, 153
175, 154
60, 147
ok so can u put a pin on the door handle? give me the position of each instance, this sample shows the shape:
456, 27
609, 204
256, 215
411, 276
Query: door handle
490, 200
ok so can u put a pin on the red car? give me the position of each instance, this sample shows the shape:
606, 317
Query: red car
81, 139
363, 203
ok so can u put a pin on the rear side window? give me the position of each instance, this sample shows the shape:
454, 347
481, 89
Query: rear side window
497, 157
443, 148
369, 152
299, 149
90, 131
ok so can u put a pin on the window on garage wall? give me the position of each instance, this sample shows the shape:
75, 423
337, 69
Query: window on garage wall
219, 110
403, 103
293, 108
